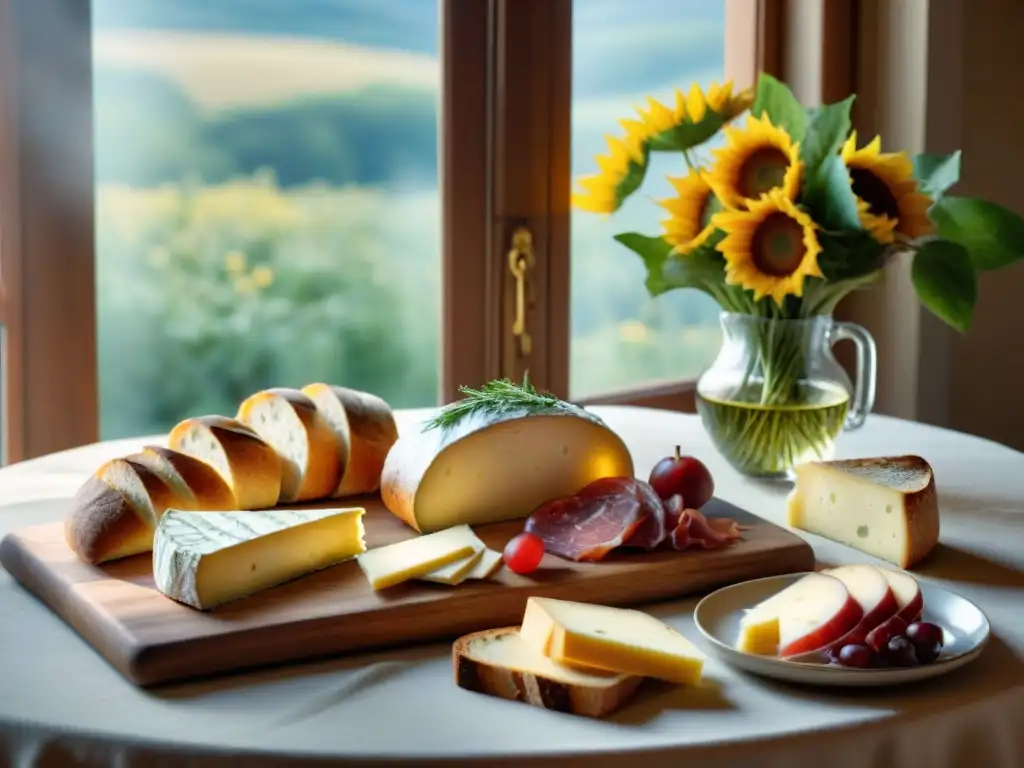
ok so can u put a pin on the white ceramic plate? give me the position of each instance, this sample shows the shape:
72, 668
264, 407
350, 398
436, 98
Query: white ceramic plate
718, 618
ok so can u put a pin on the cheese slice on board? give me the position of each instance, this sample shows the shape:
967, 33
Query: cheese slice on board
620, 640
456, 571
206, 559
490, 563
387, 566
886, 507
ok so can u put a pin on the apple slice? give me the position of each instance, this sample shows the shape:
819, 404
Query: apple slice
870, 588
907, 592
807, 615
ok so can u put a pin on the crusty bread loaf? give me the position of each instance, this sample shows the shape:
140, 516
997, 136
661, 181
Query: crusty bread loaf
250, 467
500, 663
189, 477
365, 429
114, 513
310, 451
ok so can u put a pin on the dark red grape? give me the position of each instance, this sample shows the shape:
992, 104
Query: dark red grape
927, 640
901, 652
856, 655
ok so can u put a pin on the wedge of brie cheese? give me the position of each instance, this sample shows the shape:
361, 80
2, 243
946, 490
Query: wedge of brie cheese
886, 507
206, 559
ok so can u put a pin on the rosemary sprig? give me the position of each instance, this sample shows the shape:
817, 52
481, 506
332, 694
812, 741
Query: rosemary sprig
497, 398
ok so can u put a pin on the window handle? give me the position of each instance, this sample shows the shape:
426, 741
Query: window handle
520, 261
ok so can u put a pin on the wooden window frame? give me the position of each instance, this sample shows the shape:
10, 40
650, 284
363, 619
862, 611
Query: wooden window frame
506, 82
46, 228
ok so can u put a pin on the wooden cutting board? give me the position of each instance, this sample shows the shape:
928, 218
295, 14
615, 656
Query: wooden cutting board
151, 639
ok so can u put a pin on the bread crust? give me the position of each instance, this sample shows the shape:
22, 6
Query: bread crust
101, 525
323, 471
372, 432
104, 524
255, 466
475, 674
209, 490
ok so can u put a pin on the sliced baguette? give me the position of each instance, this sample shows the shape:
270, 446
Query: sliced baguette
309, 448
250, 467
114, 513
365, 430
189, 477
498, 662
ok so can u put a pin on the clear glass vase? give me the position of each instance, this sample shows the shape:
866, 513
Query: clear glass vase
775, 395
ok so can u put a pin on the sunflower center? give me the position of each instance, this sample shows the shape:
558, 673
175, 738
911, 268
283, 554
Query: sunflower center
875, 192
762, 172
777, 247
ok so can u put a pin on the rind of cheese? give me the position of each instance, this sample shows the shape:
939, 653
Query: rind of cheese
410, 559
886, 507
622, 640
489, 468
206, 559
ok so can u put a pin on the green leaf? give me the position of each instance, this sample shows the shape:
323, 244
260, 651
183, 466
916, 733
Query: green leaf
946, 282
936, 173
686, 135
992, 235
631, 182
849, 255
774, 98
829, 195
667, 271
827, 129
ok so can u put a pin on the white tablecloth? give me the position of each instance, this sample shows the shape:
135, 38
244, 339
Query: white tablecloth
59, 700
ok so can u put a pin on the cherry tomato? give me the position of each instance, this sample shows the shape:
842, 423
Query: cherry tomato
524, 553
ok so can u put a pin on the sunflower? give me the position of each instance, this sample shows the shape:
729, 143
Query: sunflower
888, 199
721, 99
755, 160
604, 192
688, 226
770, 248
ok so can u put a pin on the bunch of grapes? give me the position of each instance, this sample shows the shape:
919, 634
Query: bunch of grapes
894, 644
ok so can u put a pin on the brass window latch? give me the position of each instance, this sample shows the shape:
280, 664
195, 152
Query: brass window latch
520, 261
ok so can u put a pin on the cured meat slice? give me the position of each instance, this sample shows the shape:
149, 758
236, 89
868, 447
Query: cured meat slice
589, 525
656, 526
695, 530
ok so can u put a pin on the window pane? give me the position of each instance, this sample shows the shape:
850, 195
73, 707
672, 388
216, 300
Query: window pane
267, 202
624, 52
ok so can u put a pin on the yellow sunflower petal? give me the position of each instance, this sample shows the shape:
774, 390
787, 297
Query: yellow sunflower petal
889, 201
769, 249
696, 107
755, 160
688, 226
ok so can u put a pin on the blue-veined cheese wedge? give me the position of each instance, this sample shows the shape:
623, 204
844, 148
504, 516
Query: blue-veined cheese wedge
206, 559
498, 464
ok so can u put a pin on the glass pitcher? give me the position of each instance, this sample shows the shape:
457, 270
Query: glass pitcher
775, 395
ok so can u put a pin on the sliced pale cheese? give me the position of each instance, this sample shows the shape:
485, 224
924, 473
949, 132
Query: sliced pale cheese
490, 563
885, 507
456, 571
387, 566
490, 467
621, 640
206, 559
